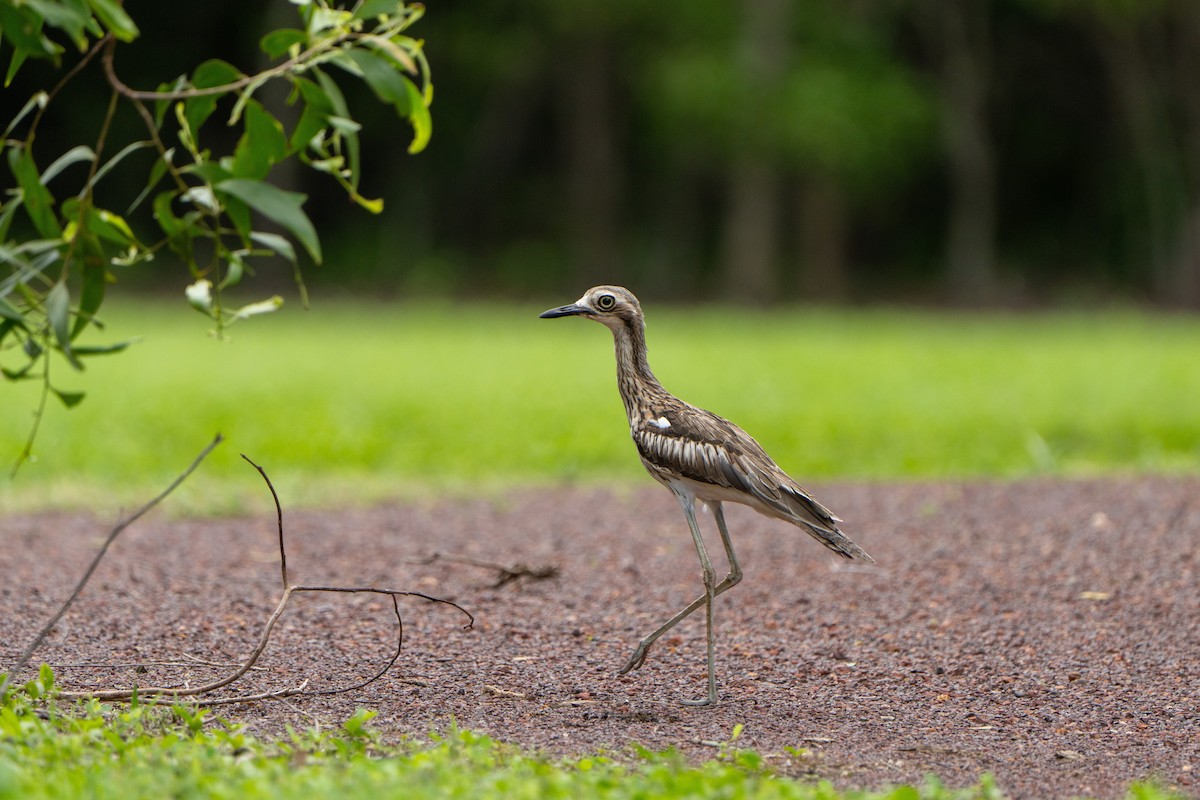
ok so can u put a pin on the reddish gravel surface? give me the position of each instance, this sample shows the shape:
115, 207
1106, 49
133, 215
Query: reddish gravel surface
1045, 632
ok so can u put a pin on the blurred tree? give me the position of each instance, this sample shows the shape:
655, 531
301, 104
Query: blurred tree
985, 150
592, 165
959, 36
805, 94
1151, 49
750, 239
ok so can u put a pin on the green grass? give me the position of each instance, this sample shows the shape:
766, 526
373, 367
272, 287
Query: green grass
351, 402
97, 751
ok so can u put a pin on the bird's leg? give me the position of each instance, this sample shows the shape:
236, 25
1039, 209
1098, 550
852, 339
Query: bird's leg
728, 582
710, 594
735, 572
706, 600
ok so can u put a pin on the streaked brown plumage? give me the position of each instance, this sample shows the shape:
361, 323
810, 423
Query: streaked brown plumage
698, 456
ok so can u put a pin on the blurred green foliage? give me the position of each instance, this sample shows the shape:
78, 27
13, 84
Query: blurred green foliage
1050, 146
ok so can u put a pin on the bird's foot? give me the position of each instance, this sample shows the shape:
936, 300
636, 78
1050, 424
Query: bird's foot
636, 660
711, 700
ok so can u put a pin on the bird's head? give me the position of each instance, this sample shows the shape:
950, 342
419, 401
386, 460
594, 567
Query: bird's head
614, 306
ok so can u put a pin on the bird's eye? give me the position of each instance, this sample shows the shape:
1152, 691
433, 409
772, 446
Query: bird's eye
606, 302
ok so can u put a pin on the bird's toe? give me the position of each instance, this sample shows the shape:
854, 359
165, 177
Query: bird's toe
636, 660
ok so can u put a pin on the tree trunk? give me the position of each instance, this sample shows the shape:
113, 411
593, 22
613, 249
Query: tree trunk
1136, 93
751, 235
593, 168
1186, 65
970, 248
750, 232
676, 243
821, 225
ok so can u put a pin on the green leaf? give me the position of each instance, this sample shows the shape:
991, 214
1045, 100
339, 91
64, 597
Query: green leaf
71, 17
384, 75
392, 51
72, 156
210, 171
177, 229
338, 101
9, 312
157, 171
132, 147
277, 43
22, 27
171, 224
161, 106
419, 118
239, 214
384, 78
110, 227
38, 100
317, 110
276, 243
262, 145
58, 311
281, 207
115, 19
212, 73
37, 198
369, 9
6, 218
69, 399
235, 268
103, 349
17, 374
46, 676
91, 296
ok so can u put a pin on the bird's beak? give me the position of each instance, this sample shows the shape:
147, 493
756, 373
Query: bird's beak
565, 311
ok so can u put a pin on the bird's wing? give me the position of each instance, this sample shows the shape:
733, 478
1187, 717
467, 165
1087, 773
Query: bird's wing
700, 445
697, 444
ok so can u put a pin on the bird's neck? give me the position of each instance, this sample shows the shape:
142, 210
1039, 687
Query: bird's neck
635, 381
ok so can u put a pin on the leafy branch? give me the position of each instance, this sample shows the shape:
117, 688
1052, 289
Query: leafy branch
61, 247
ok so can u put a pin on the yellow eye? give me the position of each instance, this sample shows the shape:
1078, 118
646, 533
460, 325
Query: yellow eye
606, 302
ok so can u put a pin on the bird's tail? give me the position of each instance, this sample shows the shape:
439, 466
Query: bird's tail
838, 542
820, 523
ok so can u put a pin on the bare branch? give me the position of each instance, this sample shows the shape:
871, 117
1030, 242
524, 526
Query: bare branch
125, 90
278, 694
278, 519
505, 574
265, 637
171, 691
385, 668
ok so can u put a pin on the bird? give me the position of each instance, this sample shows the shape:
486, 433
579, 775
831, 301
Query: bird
700, 457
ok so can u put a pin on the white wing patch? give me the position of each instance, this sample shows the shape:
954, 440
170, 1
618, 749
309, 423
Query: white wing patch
661, 423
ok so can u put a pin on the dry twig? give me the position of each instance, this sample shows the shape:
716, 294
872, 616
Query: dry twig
289, 589
505, 574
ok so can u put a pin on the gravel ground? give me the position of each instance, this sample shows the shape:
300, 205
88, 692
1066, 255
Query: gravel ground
1047, 632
